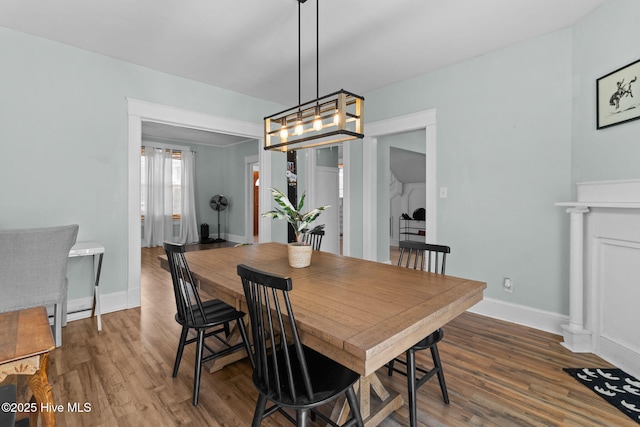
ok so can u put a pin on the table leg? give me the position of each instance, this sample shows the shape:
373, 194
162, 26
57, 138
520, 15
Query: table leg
373, 411
388, 402
365, 396
95, 309
42, 395
235, 337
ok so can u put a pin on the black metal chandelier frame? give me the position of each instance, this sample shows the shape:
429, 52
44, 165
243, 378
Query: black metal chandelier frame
329, 119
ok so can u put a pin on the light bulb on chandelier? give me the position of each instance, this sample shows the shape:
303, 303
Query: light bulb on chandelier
317, 122
299, 129
284, 133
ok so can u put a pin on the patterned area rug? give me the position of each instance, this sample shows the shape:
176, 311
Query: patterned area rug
613, 385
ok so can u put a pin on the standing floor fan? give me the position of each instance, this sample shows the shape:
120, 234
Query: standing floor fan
218, 203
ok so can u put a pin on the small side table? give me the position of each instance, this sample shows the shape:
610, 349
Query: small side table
96, 250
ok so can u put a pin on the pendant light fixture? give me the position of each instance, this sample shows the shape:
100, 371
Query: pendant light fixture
330, 119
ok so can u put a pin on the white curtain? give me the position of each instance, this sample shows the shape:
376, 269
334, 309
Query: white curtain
188, 223
159, 201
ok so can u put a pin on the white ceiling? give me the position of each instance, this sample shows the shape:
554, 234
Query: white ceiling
407, 166
250, 46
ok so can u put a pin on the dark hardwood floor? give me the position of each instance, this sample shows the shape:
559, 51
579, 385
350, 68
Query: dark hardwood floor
498, 374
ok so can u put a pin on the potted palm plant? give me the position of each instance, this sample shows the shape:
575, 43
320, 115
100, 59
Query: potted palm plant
299, 251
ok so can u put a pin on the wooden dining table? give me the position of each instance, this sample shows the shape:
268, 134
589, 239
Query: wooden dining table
360, 313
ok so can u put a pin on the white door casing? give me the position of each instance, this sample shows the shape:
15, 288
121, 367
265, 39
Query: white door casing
139, 111
420, 120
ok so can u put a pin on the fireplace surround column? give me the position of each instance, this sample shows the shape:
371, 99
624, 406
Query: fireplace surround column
576, 337
604, 272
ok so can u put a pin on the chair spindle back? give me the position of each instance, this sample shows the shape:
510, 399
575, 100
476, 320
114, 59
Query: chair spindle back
435, 256
186, 293
314, 239
280, 366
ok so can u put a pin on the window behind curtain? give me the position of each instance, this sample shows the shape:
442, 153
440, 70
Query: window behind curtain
176, 165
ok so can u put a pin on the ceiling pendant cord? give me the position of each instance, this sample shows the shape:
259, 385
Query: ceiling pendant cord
299, 66
317, 50
298, 129
317, 121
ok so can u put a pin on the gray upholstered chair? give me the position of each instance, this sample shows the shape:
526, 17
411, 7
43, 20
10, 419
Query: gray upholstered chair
33, 266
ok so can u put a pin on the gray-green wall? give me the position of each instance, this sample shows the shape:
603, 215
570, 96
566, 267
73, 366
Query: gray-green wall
504, 153
63, 132
231, 162
356, 182
515, 132
604, 41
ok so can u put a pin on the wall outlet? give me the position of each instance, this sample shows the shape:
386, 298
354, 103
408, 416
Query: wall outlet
443, 192
507, 285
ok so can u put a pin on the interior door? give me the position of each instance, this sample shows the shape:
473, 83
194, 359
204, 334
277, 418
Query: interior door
327, 189
256, 205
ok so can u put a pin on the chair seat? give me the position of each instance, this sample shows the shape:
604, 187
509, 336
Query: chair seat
429, 341
216, 311
328, 378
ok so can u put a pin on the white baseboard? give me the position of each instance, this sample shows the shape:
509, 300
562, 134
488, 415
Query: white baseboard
231, 238
620, 355
237, 239
133, 298
80, 308
624, 358
521, 315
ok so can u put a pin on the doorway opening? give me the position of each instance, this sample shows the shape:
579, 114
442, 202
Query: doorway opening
375, 207
407, 188
252, 199
140, 112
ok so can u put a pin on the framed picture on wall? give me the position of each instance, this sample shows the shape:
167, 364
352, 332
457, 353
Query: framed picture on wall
618, 96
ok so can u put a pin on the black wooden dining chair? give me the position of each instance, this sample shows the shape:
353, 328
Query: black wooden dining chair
207, 318
431, 258
314, 238
286, 372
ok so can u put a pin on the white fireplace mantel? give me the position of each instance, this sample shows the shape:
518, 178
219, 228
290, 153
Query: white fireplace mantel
603, 274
